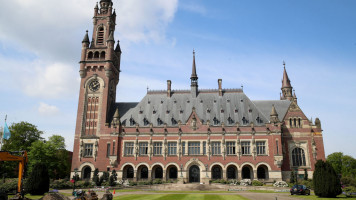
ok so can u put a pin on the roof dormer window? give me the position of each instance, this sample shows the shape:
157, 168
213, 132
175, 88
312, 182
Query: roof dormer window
244, 121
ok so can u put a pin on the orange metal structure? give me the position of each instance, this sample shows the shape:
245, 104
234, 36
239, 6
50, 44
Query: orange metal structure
8, 156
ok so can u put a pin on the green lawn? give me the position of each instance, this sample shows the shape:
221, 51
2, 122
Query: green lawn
179, 197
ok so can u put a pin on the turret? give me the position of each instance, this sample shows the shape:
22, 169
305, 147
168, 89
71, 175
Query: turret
274, 115
286, 86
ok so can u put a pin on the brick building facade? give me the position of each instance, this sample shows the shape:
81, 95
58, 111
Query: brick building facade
191, 135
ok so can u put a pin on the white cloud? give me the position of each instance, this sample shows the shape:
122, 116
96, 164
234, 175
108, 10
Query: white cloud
56, 80
145, 20
45, 109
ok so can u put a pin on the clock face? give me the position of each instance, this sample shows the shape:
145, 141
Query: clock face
94, 86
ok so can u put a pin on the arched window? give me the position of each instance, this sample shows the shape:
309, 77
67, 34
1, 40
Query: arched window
299, 124
102, 55
96, 54
100, 39
290, 123
90, 55
298, 157
295, 122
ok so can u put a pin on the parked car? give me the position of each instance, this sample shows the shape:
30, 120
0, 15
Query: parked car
300, 189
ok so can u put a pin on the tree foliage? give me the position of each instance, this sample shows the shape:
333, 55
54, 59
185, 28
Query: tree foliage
96, 179
343, 164
51, 153
38, 180
306, 174
23, 134
325, 180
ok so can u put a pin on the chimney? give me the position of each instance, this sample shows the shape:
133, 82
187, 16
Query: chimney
220, 88
169, 83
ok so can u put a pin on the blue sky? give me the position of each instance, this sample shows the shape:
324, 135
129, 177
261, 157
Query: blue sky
242, 42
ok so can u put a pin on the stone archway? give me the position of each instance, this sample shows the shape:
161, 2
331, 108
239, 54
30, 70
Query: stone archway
247, 172
172, 172
86, 172
157, 172
194, 174
216, 172
262, 172
128, 172
231, 172
142, 172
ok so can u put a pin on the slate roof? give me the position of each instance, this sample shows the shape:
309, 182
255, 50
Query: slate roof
234, 106
265, 106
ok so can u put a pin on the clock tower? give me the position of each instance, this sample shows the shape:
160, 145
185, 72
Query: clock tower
99, 73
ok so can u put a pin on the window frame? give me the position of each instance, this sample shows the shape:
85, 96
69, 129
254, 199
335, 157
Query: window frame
142, 148
230, 147
129, 149
88, 152
243, 151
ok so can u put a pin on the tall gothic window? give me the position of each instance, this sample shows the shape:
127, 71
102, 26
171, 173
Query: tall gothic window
216, 149
261, 147
129, 147
245, 147
157, 148
88, 150
230, 148
193, 148
172, 148
143, 148
298, 157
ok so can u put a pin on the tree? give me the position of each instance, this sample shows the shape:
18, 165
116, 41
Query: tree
96, 179
51, 153
38, 181
104, 177
292, 177
305, 174
343, 164
113, 173
325, 180
23, 134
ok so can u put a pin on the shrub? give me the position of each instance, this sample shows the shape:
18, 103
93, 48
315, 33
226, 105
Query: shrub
292, 177
133, 183
305, 174
96, 179
348, 181
157, 181
112, 180
38, 181
257, 183
348, 190
308, 183
325, 180
9, 186
61, 184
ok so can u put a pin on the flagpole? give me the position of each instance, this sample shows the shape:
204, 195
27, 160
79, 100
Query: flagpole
2, 135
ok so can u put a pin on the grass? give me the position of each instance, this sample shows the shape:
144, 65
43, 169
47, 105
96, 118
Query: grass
194, 191
29, 196
180, 197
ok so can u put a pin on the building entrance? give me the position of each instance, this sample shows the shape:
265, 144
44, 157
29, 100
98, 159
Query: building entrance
194, 174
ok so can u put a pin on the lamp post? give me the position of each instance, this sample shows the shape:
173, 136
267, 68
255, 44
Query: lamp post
206, 170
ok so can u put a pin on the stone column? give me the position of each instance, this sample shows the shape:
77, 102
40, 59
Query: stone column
135, 175
224, 174
150, 175
254, 174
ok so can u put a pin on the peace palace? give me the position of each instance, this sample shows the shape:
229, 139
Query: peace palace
192, 135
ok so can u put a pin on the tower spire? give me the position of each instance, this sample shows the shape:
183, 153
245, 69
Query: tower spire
194, 78
286, 86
